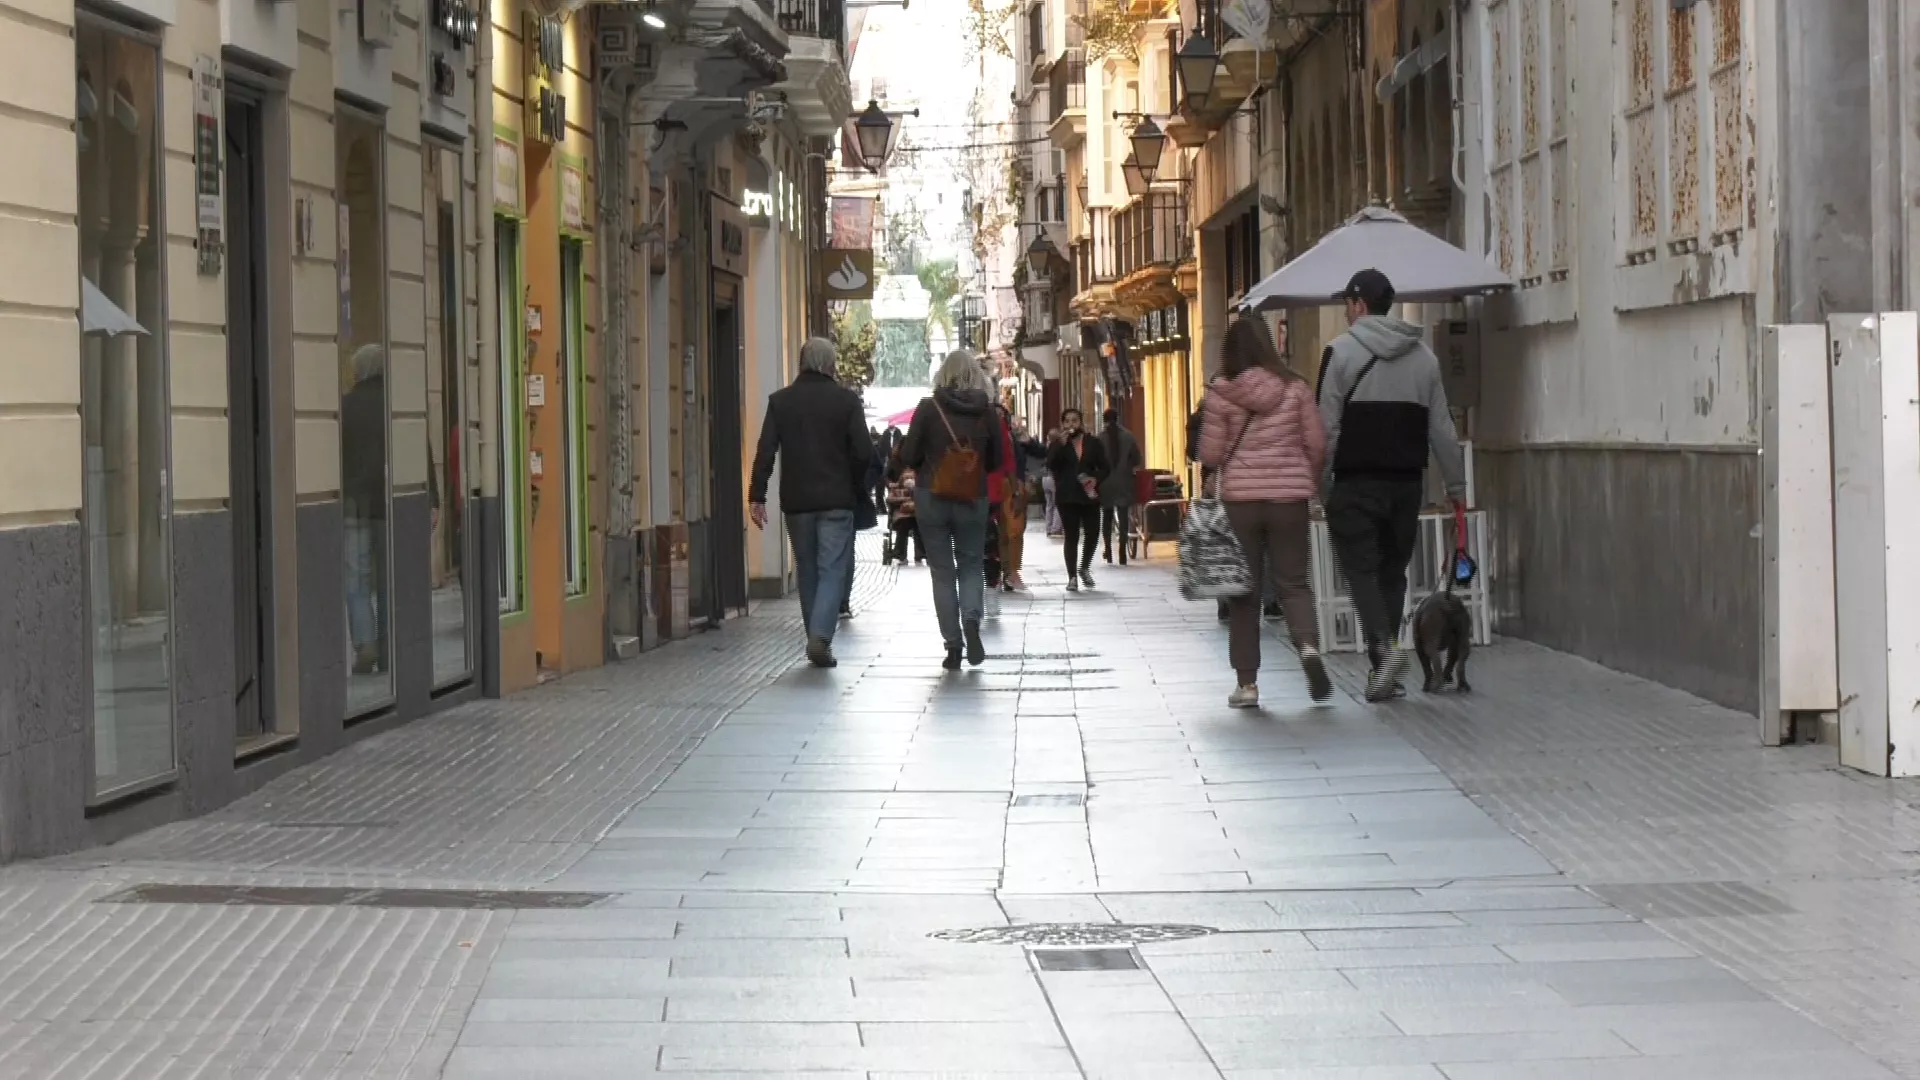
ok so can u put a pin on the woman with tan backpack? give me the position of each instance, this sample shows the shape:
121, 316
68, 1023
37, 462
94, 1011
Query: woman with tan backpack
953, 445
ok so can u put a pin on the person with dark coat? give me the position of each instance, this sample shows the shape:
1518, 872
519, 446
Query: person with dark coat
819, 431
958, 417
363, 488
1116, 491
1078, 463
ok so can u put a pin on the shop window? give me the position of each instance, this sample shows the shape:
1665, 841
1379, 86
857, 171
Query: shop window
447, 449
573, 392
365, 482
124, 407
513, 400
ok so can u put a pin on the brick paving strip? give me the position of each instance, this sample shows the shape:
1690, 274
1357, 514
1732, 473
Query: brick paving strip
1071, 862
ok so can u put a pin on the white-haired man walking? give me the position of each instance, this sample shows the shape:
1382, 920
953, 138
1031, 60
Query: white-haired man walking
818, 430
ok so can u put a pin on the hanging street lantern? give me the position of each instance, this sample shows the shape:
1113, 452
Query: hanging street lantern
1196, 60
1040, 256
1081, 188
1136, 178
873, 129
1149, 142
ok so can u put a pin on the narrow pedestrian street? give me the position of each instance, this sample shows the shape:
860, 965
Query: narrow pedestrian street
1075, 861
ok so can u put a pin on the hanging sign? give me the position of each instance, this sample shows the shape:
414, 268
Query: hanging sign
545, 52
209, 212
845, 273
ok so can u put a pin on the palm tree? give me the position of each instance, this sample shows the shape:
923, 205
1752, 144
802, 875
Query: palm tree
941, 279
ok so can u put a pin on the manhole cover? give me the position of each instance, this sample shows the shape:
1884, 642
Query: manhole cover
1086, 959
1050, 800
1069, 935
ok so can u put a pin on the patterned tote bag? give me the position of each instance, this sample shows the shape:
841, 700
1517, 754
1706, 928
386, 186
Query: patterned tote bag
1212, 566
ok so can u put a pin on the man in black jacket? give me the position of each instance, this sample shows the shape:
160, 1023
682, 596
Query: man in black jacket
821, 431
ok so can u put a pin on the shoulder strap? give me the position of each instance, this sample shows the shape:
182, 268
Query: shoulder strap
1348, 400
951, 437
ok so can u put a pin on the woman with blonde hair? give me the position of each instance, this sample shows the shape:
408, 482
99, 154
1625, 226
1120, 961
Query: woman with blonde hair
1261, 433
953, 445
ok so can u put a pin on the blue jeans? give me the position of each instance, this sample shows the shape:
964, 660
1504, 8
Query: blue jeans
956, 537
365, 537
823, 561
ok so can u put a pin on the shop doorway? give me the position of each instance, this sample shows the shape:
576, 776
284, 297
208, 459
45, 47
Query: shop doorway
249, 458
728, 542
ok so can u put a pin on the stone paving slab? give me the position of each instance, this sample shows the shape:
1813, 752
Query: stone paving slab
1397, 893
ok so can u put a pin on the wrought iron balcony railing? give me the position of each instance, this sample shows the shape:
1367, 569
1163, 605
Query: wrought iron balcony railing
813, 18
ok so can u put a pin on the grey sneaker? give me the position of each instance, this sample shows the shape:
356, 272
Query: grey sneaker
1244, 697
1086, 579
1073, 583
1384, 682
820, 653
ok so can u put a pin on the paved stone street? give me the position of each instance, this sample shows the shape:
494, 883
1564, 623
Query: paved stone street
1072, 862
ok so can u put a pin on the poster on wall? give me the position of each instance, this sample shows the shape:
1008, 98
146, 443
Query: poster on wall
506, 175
209, 207
851, 225
573, 199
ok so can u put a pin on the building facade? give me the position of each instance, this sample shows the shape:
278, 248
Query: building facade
357, 389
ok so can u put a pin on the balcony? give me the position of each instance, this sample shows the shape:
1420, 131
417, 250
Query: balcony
1067, 102
1152, 232
816, 86
1094, 257
824, 19
1153, 238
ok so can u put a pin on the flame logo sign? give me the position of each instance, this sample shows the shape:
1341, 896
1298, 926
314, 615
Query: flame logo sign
848, 278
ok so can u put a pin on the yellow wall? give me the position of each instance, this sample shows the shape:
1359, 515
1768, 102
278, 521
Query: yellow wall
556, 632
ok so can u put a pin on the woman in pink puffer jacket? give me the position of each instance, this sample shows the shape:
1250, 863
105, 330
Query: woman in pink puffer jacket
1261, 431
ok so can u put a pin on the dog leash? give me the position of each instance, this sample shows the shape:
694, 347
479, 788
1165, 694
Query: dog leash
1464, 568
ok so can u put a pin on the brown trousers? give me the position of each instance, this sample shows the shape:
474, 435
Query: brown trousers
1277, 540
1013, 528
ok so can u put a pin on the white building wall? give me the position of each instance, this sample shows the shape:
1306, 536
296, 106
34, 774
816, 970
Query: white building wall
1617, 430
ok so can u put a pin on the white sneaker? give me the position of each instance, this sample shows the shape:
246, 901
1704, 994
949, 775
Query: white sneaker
1244, 697
992, 604
1073, 583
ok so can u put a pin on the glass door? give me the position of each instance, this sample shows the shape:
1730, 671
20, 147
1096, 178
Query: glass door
447, 456
366, 487
126, 502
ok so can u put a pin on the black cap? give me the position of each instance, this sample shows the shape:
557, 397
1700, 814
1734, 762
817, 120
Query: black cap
1368, 285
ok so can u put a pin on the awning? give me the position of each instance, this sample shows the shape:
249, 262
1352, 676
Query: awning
1413, 65
101, 317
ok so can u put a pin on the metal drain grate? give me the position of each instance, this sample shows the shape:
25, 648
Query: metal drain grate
1074, 935
1086, 959
1050, 800
1692, 900
336, 896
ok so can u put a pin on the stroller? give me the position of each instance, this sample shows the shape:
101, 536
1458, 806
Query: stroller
901, 523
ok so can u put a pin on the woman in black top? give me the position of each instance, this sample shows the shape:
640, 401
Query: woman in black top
1078, 464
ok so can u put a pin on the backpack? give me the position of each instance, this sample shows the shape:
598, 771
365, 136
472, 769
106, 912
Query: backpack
957, 477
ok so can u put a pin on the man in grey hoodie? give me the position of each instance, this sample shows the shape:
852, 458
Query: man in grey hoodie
1385, 410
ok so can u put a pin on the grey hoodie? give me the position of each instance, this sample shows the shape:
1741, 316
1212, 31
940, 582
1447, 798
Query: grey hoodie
1385, 426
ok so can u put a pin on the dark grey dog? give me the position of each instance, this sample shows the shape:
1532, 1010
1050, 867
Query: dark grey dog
1441, 625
